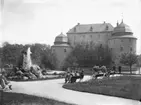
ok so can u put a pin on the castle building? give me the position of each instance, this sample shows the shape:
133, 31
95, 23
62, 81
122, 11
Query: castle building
119, 39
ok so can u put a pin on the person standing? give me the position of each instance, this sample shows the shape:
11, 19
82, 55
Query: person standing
119, 69
114, 69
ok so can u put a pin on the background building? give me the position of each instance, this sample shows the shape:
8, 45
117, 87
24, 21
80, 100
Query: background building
119, 39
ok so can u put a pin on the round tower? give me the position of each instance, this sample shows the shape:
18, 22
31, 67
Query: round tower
122, 41
61, 49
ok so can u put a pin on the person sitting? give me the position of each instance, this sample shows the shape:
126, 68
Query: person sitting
4, 82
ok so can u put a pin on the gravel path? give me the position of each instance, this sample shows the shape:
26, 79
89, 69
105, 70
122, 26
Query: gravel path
53, 89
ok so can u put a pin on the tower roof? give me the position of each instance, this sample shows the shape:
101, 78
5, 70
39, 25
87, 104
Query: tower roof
122, 28
61, 35
61, 39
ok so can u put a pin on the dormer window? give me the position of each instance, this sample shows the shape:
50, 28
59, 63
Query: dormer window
107, 27
91, 28
74, 29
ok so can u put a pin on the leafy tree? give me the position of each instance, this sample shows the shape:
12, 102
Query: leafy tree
41, 54
11, 53
88, 55
128, 59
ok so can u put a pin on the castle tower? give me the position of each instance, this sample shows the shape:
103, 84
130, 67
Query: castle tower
121, 41
61, 49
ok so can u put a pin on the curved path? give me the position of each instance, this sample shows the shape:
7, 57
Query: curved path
53, 89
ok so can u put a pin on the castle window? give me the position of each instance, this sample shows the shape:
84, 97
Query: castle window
111, 49
83, 36
121, 48
129, 40
74, 29
53, 50
100, 45
121, 40
91, 28
99, 36
65, 50
131, 49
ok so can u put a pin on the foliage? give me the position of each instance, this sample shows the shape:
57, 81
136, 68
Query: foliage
41, 54
139, 61
88, 55
128, 59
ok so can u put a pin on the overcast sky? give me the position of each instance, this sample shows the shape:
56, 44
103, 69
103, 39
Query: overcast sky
31, 21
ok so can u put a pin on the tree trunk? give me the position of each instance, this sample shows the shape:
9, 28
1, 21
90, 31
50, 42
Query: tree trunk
130, 69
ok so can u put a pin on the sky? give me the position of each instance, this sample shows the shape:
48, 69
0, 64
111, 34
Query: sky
40, 21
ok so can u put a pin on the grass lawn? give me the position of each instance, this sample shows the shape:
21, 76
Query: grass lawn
124, 86
23, 99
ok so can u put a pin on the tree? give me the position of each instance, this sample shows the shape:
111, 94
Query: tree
88, 55
139, 62
128, 59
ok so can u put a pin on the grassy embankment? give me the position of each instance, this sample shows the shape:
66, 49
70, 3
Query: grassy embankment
126, 86
23, 99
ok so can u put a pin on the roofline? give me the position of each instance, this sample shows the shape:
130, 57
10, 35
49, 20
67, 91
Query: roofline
88, 32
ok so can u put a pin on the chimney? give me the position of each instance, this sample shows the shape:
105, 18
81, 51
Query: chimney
117, 23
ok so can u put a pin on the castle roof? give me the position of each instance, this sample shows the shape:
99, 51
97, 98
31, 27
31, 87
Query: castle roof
61, 40
81, 28
122, 28
61, 36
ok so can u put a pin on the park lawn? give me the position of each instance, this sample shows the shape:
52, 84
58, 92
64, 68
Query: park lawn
123, 86
23, 99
